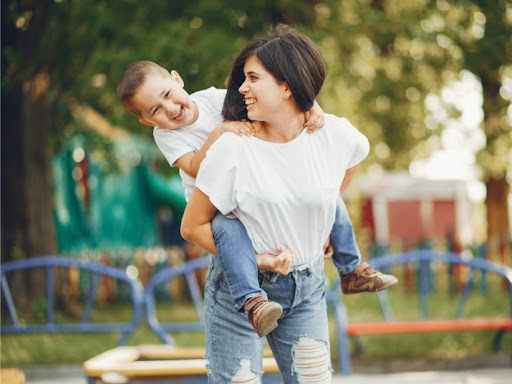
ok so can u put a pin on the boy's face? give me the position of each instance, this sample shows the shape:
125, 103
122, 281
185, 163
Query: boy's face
163, 102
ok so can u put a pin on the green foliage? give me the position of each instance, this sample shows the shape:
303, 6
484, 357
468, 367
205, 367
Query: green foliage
384, 57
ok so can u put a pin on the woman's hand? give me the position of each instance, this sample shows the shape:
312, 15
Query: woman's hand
328, 249
237, 127
276, 263
315, 118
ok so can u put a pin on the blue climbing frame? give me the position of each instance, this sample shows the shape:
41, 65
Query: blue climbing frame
85, 325
424, 258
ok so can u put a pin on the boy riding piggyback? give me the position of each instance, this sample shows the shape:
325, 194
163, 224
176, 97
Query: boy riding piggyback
185, 126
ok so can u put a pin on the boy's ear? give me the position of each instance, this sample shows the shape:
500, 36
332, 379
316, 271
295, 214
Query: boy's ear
146, 122
176, 76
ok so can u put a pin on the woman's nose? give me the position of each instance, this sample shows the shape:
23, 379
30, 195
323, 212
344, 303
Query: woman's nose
243, 87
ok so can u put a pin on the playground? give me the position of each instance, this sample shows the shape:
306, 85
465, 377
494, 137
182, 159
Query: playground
99, 286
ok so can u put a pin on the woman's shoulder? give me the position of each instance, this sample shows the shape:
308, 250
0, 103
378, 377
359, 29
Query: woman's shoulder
333, 121
228, 143
340, 125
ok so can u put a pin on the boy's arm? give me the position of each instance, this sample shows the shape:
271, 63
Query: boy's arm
315, 118
196, 227
190, 162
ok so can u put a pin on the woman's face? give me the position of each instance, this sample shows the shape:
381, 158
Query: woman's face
264, 96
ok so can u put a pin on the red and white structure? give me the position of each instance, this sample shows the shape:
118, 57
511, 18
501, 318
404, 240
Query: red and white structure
398, 207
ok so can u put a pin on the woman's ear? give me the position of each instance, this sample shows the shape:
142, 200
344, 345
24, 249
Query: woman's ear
287, 93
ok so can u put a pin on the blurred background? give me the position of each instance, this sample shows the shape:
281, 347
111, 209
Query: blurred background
428, 82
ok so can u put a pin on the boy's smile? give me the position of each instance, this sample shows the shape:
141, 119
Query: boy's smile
163, 102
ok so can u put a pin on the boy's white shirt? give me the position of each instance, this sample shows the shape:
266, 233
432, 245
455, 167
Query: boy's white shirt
177, 142
283, 192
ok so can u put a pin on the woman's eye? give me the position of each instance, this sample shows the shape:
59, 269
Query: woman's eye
155, 110
167, 94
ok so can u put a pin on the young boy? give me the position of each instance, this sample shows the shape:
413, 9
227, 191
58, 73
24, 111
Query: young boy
185, 126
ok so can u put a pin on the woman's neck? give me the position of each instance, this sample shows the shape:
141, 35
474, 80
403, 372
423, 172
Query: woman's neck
282, 130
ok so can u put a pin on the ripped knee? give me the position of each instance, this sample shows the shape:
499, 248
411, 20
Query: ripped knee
245, 375
311, 361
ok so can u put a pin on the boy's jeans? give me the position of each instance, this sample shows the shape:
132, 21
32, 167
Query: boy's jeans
236, 253
343, 239
300, 343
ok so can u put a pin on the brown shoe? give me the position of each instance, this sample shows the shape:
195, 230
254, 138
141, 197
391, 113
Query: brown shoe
366, 279
262, 314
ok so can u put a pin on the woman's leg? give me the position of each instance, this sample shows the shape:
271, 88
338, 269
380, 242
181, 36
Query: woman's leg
301, 341
236, 254
234, 351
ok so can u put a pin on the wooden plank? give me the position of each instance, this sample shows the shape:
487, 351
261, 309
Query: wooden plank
428, 326
156, 352
12, 376
124, 361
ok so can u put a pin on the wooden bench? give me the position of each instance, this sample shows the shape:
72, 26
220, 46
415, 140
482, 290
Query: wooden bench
165, 362
12, 376
187, 271
424, 259
96, 270
151, 363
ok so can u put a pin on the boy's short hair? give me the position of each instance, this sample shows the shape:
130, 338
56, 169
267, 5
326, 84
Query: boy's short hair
133, 78
290, 57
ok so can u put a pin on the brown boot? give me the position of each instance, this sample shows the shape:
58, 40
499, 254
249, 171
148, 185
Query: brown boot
366, 279
262, 314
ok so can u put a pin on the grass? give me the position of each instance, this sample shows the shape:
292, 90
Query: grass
431, 346
35, 349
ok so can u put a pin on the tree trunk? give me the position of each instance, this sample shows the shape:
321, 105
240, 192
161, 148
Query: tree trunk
28, 226
495, 166
498, 225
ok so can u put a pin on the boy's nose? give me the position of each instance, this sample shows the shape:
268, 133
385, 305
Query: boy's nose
169, 107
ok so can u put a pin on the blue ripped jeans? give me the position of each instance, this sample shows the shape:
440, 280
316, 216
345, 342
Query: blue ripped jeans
300, 343
236, 253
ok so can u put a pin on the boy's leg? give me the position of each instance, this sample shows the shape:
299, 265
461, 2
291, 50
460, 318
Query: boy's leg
355, 277
236, 254
343, 239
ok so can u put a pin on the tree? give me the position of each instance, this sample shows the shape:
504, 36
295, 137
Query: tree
489, 56
393, 54
55, 53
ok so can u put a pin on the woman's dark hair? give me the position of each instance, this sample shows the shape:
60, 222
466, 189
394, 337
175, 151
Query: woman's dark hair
290, 57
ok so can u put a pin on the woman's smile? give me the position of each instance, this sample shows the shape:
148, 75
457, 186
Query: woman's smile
249, 102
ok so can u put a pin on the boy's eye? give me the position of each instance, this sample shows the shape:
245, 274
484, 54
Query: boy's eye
167, 94
155, 111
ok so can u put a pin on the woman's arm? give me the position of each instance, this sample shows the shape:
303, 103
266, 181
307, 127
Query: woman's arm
196, 225
349, 175
276, 263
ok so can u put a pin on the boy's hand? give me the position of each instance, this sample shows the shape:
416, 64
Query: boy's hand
279, 264
315, 118
237, 127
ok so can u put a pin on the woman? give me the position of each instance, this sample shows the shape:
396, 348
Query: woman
283, 185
